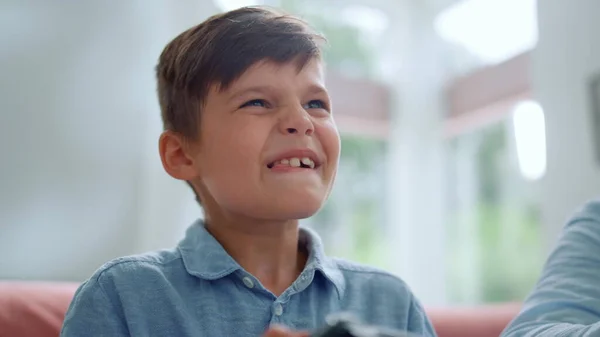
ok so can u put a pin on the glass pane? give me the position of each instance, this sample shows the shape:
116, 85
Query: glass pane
494, 228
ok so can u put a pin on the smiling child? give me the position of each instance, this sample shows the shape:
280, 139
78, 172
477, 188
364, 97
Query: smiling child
248, 124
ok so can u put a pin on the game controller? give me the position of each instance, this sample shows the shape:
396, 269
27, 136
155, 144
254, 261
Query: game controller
350, 327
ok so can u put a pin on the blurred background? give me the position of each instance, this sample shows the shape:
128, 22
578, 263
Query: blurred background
467, 128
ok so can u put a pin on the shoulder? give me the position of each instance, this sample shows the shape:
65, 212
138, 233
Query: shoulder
354, 269
134, 270
592, 207
582, 231
157, 260
361, 277
385, 296
124, 279
570, 275
588, 216
576, 255
98, 304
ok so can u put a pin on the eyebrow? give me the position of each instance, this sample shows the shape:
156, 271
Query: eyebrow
254, 89
317, 89
262, 89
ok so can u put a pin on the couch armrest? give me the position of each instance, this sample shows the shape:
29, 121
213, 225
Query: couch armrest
35, 309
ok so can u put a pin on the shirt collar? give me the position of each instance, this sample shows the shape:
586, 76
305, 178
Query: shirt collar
204, 257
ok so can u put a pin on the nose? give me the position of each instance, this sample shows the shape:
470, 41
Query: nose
297, 122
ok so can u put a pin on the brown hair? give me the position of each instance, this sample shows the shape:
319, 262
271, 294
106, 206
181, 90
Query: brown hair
218, 51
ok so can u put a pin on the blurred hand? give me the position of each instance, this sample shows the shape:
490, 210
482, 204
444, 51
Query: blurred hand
278, 331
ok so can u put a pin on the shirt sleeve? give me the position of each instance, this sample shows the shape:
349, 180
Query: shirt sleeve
418, 322
566, 300
93, 313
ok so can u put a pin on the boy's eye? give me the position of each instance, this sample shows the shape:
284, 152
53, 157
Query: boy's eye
255, 103
316, 104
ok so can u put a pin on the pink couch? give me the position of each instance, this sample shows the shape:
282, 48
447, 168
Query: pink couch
29, 309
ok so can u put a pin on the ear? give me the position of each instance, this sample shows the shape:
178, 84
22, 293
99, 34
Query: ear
175, 157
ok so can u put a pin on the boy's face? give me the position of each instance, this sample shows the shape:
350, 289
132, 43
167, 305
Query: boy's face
268, 146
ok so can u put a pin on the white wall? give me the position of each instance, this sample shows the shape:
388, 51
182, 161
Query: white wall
568, 53
80, 178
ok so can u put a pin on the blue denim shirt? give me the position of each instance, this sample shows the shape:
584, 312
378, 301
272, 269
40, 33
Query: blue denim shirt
197, 289
566, 300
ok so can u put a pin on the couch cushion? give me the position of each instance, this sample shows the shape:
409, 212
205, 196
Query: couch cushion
477, 321
33, 309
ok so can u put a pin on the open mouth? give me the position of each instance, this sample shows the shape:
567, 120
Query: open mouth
304, 162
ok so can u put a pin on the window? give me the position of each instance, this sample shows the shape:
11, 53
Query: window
495, 248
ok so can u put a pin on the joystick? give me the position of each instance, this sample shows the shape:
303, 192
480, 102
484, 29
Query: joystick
350, 327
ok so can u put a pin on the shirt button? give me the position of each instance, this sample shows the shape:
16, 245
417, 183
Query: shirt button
278, 309
248, 282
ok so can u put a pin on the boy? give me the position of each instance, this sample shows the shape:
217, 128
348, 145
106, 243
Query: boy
248, 125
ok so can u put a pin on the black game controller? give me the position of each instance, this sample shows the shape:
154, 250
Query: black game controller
352, 328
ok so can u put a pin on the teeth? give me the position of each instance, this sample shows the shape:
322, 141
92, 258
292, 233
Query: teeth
308, 162
294, 162
297, 162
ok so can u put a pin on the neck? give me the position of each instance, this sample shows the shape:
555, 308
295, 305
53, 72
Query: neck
266, 249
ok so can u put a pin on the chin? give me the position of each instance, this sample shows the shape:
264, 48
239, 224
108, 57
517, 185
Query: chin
299, 214
306, 208
275, 206
294, 207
